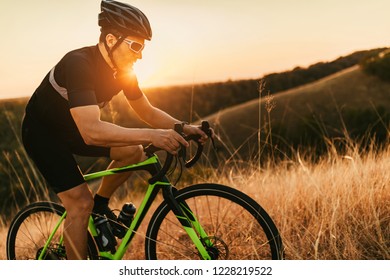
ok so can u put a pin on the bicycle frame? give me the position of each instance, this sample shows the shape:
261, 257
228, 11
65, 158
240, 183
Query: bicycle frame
183, 213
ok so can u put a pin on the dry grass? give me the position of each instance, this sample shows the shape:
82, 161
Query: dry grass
3, 237
336, 208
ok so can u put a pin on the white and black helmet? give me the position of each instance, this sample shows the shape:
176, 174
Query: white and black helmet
125, 18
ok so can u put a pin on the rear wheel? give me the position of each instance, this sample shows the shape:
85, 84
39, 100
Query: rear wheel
32, 227
237, 227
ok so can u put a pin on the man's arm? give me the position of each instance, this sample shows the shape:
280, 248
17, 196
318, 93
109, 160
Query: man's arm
151, 115
160, 119
100, 133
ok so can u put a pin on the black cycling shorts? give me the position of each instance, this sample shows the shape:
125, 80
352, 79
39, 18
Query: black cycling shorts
53, 153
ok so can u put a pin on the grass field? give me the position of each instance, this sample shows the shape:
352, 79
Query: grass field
332, 205
337, 208
348, 102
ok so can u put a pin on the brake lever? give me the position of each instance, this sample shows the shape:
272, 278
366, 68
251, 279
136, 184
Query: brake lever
205, 126
182, 152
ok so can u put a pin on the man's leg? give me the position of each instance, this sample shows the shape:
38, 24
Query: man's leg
78, 203
121, 156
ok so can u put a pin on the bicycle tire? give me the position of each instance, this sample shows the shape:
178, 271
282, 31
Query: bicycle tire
238, 227
31, 228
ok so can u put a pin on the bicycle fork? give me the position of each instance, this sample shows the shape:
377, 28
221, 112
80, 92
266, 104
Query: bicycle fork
189, 222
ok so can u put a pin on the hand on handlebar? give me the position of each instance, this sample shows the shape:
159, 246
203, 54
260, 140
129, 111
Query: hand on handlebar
198, 130
168, 140
171, 140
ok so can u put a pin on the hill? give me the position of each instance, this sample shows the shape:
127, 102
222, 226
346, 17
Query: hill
194, 102
303, 117
349, 103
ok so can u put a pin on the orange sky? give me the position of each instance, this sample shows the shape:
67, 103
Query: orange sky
194, 41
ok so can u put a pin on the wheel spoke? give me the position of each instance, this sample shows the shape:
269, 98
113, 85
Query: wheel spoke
237, 227
30, 229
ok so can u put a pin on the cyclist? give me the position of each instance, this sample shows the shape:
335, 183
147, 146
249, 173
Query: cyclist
62, 118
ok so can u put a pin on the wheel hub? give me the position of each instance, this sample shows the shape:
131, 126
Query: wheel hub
216, 247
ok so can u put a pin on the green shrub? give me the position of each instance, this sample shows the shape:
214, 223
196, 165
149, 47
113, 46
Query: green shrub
379, 65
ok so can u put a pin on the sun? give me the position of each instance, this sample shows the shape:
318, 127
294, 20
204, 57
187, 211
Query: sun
146, 72
143, 74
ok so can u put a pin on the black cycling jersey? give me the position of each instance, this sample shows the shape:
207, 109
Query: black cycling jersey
82, 77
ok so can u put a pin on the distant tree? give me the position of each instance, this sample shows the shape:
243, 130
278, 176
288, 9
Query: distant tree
276, 82
378, 65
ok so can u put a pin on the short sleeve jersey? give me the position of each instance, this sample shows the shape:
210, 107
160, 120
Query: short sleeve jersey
82, 77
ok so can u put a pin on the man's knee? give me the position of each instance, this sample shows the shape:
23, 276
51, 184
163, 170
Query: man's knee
128, 155
78, 201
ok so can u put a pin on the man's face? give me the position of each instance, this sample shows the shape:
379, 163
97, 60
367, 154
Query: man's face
128, 52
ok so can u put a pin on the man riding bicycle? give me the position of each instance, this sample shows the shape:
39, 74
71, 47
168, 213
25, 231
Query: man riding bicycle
63, 118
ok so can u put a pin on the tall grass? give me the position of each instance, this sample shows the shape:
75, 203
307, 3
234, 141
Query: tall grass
21, 182
336, 207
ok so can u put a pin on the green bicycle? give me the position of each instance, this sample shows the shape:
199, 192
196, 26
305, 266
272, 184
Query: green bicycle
204, 221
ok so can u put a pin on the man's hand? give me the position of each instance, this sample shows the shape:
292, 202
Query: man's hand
193, 129
168, 139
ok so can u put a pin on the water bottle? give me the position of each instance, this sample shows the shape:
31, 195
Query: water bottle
125, 217
105, 239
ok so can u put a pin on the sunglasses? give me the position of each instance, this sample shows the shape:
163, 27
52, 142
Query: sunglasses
134, 46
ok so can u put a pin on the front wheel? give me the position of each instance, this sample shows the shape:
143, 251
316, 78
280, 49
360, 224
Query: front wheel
32, 227
236, 226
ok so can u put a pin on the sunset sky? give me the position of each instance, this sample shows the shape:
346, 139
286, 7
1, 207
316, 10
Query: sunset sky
194, 41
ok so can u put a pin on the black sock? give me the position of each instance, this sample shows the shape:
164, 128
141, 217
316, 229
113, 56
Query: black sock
101, 207
100, 202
